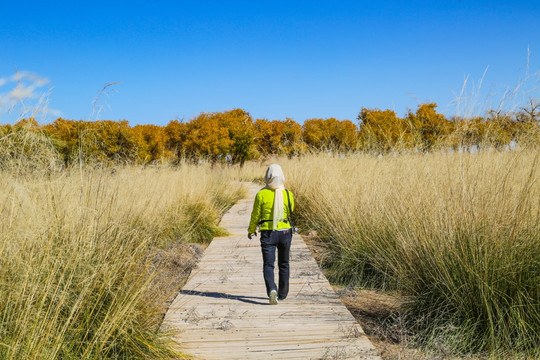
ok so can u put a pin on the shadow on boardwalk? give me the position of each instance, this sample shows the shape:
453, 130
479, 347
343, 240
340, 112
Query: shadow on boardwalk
219, 295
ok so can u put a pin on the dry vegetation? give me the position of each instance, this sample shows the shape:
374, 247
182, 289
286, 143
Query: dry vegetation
456, 235
88, 258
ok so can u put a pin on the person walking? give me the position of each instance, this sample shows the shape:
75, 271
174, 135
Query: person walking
272, 212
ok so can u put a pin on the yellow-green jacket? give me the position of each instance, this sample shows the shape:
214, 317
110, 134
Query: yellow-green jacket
263, 209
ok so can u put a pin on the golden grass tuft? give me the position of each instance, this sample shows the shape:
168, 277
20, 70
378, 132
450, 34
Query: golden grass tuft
86, 257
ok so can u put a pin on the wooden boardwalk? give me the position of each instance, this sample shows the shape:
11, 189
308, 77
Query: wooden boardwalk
223, 312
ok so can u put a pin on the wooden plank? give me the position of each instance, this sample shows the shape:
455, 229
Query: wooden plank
223, 311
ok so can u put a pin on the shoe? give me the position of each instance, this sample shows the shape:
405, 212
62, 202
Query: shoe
273, 297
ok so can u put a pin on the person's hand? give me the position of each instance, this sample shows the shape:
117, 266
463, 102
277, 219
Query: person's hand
252, 234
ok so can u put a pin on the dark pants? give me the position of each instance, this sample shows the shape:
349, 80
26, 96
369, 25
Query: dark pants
269, 241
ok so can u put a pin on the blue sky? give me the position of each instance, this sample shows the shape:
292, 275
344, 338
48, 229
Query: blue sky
275, 59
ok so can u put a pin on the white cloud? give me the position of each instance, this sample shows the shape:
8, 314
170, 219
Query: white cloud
25, 95
21, 92
35, 79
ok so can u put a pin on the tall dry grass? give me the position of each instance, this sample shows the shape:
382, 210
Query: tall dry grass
81, 256
458, 235
25, 149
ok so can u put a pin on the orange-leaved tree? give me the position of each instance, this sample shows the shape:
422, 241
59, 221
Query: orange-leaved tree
175, 137
241, 132
153, 140
279, 137
270, 136
291, 140
207, 138
429, 127
383, 130
330, 134
500, 129
115, 141
65, 135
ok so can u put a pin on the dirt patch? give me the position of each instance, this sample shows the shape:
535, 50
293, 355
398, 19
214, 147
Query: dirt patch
173, 266
379, 314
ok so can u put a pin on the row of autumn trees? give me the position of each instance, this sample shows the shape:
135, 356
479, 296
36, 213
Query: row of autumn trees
234, 136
